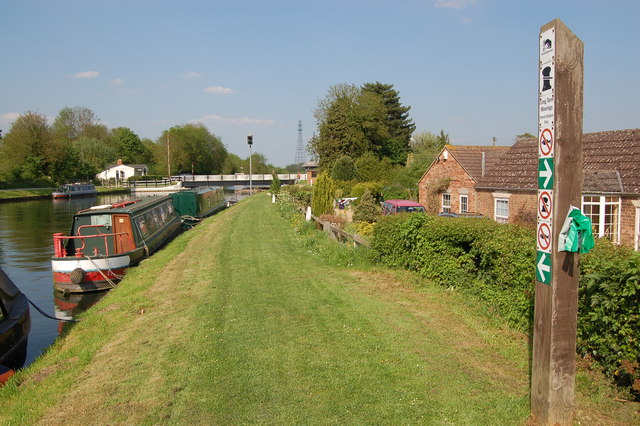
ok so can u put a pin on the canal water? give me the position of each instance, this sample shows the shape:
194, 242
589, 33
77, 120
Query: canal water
26, 247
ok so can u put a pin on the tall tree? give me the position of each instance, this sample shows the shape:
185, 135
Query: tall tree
399, 126
349, 123
76, 122
28, 151
130, 148
190, 147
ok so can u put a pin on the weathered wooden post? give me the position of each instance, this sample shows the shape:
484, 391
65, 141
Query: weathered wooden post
559, 186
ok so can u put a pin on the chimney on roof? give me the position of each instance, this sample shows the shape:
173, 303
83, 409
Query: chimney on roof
119, 162
483, 158
494, 141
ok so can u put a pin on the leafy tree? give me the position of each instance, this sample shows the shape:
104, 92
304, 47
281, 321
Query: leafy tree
368, 209
275, 183
94, 152
399, 126
190, 147
343, 168
294, 168
29, 150
424, 148
76, 122
370, 168
349, 123
130, 148
323, 192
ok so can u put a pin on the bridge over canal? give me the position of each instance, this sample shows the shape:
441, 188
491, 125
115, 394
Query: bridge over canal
238, 180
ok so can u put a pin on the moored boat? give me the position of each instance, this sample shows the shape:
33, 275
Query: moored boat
15, 324
198, 203
105, 240
75, 190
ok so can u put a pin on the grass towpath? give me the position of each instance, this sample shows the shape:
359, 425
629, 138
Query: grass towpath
235, 322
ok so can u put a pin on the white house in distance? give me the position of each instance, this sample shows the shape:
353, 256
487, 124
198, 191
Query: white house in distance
121, 172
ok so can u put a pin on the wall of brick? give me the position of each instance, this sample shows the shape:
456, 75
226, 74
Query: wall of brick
522, 205
460, 183
628, 221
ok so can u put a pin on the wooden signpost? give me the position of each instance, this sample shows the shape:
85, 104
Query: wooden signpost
559, 186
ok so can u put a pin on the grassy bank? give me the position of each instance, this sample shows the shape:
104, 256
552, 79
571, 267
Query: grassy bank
237, 322
24, 194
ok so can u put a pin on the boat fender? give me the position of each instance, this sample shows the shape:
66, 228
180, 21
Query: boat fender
5, 374
146, 251
77, 275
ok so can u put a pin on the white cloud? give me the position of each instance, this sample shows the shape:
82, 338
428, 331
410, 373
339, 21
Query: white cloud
192, 74
240, 121
453, 4
117, 82
7, 118
86, 74
218, 90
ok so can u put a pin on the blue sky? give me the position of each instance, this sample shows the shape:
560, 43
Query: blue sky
468, 67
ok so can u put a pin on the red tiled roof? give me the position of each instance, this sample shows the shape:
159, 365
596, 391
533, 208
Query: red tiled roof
611, 164
470, 157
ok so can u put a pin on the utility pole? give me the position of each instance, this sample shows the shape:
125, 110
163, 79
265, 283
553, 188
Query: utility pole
250, 143
169, 155
560, 176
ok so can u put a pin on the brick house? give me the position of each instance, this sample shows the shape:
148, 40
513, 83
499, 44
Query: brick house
311, 169
458, 168
611, 188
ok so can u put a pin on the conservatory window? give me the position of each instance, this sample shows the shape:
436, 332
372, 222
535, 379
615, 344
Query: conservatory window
604, 212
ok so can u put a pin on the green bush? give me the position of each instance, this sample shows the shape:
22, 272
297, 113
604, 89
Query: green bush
323, 193
298, 195
375, 188
396, 192
368, 210
609, 311
496, 264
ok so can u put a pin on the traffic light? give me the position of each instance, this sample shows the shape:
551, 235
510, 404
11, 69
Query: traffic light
250, 139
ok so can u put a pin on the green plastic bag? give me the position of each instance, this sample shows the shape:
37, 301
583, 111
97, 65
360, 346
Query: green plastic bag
576, 234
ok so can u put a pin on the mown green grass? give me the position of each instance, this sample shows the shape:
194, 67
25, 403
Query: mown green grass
23, 193
237, 321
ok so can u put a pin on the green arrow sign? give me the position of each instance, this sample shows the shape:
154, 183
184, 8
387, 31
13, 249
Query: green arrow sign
545, 173
543, 267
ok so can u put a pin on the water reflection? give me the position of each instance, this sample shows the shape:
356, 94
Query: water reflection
69, 307
26, 247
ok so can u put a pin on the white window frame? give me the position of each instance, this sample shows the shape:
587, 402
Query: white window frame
601, 203
502, 197
464, 197
501, 218
446, 208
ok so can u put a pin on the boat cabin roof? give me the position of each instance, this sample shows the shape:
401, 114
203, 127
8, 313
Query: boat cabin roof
129, 206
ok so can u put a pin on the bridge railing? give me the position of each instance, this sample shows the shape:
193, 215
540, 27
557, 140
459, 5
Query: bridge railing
238, 177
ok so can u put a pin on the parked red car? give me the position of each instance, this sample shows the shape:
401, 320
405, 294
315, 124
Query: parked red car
401, 206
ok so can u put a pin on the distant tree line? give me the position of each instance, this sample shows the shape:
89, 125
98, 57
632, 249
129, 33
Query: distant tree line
77, 146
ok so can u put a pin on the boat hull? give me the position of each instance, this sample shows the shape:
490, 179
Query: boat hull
85, 274
15, 325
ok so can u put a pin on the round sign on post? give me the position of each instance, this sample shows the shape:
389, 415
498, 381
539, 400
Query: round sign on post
545, 207
546, 143
544, 237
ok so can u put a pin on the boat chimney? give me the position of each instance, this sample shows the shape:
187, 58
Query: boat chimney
119, 161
